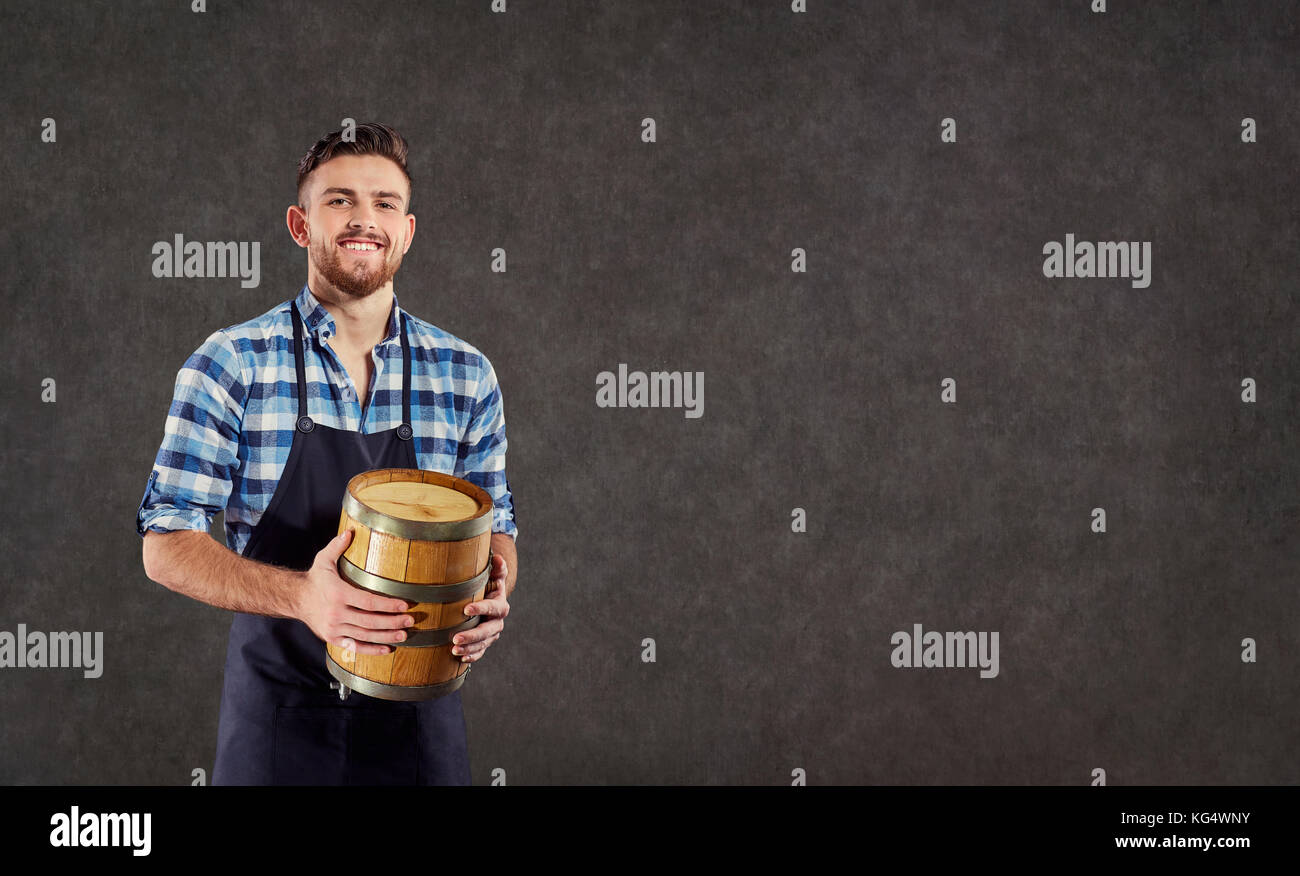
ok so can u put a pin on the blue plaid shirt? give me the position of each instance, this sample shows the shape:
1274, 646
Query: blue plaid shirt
233, 415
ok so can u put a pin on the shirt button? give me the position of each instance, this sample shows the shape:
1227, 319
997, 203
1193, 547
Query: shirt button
347, 395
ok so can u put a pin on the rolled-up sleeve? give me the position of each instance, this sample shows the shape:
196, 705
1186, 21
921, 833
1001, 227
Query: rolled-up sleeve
482, 455
192, 475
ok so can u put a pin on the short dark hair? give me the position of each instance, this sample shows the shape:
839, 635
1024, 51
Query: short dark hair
371, 139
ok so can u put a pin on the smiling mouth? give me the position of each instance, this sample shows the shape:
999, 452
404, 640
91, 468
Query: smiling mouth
358, 246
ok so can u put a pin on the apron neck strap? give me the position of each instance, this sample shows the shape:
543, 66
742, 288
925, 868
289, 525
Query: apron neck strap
406, 374
299, 353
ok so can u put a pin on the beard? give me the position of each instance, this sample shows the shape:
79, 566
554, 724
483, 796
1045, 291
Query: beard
355, 278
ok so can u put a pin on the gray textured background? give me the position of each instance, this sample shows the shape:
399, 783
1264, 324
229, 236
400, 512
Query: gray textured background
775, 130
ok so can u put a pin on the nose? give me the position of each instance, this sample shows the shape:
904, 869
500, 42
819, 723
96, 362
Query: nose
361, 220
362, 216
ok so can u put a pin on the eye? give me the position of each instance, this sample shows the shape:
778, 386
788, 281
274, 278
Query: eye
336, 200
386, 204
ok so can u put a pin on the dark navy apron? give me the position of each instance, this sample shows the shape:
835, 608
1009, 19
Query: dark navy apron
282, 720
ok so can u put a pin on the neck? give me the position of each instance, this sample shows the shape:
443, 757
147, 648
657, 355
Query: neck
360, 323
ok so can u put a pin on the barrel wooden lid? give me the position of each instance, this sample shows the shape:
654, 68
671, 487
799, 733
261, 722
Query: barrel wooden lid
414, 504
419, 501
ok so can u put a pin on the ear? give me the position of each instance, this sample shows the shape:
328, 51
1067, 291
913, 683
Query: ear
296, 219
410, 232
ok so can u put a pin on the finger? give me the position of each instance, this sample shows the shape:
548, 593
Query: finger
337, 546
484, 630
381, 622
365, 601
475, 657
348, 644
364, 634
501, 569
475, 647
489, 607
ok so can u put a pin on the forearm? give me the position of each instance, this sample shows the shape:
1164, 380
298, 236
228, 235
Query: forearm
503, 545
193, 564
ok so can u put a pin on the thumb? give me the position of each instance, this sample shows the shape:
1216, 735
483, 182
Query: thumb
337, 546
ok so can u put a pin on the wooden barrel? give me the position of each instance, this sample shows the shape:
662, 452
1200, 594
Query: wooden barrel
425, 537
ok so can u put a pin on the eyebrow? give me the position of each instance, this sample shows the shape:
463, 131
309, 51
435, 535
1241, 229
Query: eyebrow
391, 196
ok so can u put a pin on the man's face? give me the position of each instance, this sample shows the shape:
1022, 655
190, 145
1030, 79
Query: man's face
355, 226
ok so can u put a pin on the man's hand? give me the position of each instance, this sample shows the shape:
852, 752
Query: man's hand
347, 616
471, 644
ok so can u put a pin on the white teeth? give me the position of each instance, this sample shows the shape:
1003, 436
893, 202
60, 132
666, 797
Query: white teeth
360, 246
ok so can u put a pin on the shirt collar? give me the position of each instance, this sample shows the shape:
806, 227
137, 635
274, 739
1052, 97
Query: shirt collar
321, 324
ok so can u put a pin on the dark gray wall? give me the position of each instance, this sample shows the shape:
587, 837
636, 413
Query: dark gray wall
1119, 651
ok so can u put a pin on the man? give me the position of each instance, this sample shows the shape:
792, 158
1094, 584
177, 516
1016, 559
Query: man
270, 419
